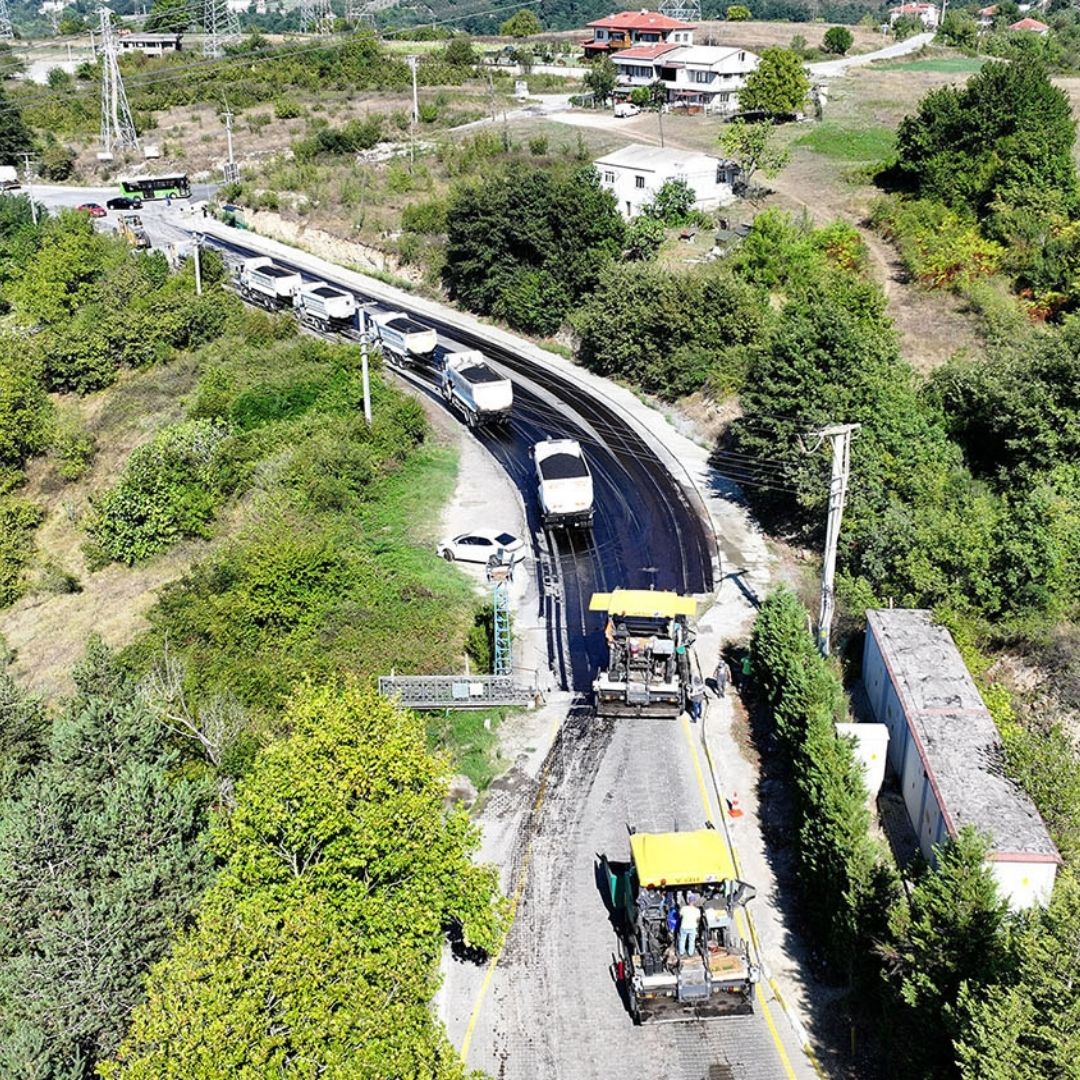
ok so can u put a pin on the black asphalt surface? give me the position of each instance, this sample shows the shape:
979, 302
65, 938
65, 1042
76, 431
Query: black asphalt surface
646, 533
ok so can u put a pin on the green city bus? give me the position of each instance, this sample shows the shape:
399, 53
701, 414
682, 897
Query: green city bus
155, 187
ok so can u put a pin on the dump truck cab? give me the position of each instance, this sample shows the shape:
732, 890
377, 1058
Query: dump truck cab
668, 872
649, 635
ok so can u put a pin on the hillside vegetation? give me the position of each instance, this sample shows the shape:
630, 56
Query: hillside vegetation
245, 709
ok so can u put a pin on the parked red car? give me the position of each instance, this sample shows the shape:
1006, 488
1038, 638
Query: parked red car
92, 209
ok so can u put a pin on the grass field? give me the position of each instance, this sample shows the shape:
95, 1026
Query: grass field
941, 65
872, 143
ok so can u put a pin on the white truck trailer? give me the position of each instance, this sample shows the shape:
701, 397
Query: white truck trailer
470, 386
565, 483
403, 340
323, 307
261, 281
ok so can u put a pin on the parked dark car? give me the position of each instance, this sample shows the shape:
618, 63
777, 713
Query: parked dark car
122, 202
92, 209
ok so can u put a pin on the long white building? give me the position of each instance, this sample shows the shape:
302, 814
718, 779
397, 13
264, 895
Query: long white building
706, 77
945, 748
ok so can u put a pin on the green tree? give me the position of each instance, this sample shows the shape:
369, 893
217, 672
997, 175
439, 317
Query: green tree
737, 13
528, 243
672, 204
991, 144
753, 148
778, 85
523, 23
320, 939
169, 16
101, 856
1028, 1028
907, 26
837, 40
25, 409
15, 136
959, 29
460, 52
644, 236
950, 935
601, 78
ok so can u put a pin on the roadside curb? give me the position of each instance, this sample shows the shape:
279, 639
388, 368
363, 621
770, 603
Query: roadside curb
802, 1038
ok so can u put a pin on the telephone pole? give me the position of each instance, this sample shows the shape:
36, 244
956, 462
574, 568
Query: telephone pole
232, 170
30, 187
839, 436
365, 375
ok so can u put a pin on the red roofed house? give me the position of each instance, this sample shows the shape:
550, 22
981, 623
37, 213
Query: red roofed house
985, 17
927, 14
1032, 26
630, 28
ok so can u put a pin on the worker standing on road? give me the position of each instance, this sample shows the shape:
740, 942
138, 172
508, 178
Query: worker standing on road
696, 697
689, 918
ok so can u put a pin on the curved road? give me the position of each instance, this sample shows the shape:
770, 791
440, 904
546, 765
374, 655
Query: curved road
547, 1007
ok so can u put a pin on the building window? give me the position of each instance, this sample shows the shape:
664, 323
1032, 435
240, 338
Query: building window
609, 177
742, 57
724, 98
700, 76
639, 181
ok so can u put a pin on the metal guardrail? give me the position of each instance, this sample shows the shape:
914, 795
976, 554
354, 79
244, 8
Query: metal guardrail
455, 691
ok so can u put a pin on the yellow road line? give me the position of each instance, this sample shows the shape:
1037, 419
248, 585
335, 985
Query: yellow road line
785, 1061
515, 899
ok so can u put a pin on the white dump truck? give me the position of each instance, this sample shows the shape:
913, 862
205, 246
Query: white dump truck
480, 394
325, 308
403, 340
565, 483
261, 281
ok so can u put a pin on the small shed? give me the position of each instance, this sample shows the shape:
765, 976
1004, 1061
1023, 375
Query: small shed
151, 44
945, 748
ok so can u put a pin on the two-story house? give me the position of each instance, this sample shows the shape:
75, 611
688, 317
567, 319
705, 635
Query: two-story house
707, 77
630, 28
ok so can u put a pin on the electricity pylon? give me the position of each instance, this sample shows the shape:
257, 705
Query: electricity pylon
221, 27
117, 126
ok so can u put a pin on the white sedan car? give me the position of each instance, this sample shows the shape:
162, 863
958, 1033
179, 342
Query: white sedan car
480, 546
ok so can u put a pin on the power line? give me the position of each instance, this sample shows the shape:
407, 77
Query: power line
117, 126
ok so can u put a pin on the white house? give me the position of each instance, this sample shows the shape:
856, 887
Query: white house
927, 14
705, 77
635, 173
945, 748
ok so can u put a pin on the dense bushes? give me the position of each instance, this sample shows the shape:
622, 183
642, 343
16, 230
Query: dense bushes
998, 153
321, 578
167, 492
845, 880
528, 243
323, 945
101, 859
670, 333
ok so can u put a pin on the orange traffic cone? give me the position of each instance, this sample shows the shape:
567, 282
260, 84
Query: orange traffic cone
734, 809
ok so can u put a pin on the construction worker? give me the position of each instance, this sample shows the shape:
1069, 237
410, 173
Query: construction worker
689, 918
696, 698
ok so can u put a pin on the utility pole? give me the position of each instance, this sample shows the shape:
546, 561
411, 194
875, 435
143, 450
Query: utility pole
415, 99
30, 188
232, 170
7, 30
197, 240
839, 435
364, 365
